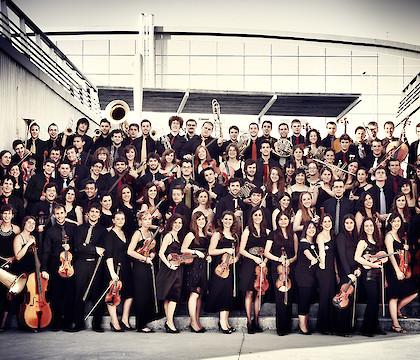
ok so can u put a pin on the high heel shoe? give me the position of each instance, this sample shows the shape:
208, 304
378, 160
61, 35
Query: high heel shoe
250, 327
227, 331
125, 327
257, 327
169, 330
114, 329
200, 331
300, 331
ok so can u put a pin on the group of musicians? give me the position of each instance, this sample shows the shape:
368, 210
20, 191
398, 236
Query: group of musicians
216, 223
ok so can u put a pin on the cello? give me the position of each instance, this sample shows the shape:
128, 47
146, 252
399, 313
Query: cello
36, 311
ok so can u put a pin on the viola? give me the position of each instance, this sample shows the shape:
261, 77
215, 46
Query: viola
113, 296
405, 258
178, 259
66, 269
223, 269
381, 257
342, 299
261, 282
36, 311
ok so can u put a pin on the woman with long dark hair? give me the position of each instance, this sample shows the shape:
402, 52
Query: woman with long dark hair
284, 206
116, 246
370, 243
305, 213
127, 205
196, 242
169, 277
223, 244
150, 201
346, 242
305, 275
401, 290
325, 274
281, 247
74, 212
275, 186
252, 247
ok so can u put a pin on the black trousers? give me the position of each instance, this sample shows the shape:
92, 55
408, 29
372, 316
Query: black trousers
83, 272
370, 320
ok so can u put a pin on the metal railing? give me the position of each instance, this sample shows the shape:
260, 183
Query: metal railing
29, 40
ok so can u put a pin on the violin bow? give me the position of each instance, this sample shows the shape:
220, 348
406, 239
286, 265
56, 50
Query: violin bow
152, 268
98, 262
97, 303
234, 270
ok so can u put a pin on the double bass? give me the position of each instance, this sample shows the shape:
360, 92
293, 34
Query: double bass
36, 310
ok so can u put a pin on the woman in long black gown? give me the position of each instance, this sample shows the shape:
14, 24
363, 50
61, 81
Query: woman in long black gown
127, 205
106, 211
252, 246
346, 242
116, 246
370, 243
169, 277
8, 232
281, 247
143, 268
401, 291
196, 242
325, 274
221, 290
305, 274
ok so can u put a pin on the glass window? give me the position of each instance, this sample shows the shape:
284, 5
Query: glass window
337, 50
284, 48
121, 64
121, 80
175, 47
257, 65
70, 47
203, 65
230, 65
314, 84
230, 48
285, 65
175, 81
364, 84
311, 50
203, 82
311, 65
228, 82
368, 105
99, 80
95, 47
257, 47
338, 65
76, 60
389, 104
122, 47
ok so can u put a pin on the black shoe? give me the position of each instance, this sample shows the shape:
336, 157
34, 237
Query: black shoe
343, 334
169, 330
257, 327
125, 327
279, 333
232, 329
114, 329
250, 327
367, 334
98, 328
75, 328
200, 331
380, 332
227, 331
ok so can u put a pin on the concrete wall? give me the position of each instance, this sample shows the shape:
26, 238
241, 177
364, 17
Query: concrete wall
22, 95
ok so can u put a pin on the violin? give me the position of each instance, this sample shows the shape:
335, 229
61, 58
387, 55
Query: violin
28, 169
283, 282
66, 269
149, 245
399, 149
113, 296
381, 257
261, 282
405, 258
36, 311
342, 299
178, 259
153, 209
222, 270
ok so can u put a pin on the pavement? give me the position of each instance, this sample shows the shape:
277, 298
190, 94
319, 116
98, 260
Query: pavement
211, 345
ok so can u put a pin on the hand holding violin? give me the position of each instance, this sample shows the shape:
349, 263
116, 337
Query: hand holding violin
100, 251
45, 275
200, 254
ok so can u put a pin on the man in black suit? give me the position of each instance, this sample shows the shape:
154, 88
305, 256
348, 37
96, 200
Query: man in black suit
231, 201
103, 139
36, 146
265, 162
413, 154
175, 140
394, 177
266, 128
389, 128
338, 202
146, 144
346, 155
251, 151
7, 197
381, 192
328, 141
297, 138
374, 158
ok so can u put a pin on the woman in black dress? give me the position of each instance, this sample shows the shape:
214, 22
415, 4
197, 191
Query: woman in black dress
284, 206
346, 242
74, 212
252, 247
323, 191
401, 291
169, 277
106, 211
298, 187
143, 268
116, 245
221, 289
305, 275
361, 185
8, 232
281, 247
127, 205
150, 201
196, 242
275, 186
325, 274
305, 213
370, 243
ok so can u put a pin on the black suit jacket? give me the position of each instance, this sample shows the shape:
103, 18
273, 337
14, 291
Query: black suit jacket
389, 196
412, 156
259, 175
346, 207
